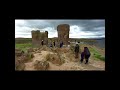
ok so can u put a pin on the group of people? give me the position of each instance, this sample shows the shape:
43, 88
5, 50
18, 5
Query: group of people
53, 43
84, 55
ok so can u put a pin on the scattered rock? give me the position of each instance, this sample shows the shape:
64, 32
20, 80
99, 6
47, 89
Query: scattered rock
55, 59
19, 65
27, 57
19, 52
37, 51
34, 49
30, 50
41, 65
32, 55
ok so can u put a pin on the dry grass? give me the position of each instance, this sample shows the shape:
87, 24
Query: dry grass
72, 48
60, 50
41, 65
65, 50
71, 56
55, 58
30, 50
27, 57
19, 65
44, 48
48, 57
19, 52
20, 60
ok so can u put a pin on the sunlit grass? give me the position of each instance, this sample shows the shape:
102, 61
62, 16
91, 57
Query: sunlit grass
23, 46
96, 54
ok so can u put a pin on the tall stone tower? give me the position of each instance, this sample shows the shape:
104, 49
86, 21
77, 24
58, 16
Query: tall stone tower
36, 38
63, 33
46, 38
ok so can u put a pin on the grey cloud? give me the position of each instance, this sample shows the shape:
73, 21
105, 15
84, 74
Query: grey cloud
89, 25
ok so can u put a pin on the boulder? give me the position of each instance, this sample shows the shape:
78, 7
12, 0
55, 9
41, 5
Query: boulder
41, 65
19, 65
55, 59
19, 52
30, 50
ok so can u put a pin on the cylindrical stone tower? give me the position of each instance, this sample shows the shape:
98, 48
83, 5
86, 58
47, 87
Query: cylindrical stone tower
63, 33
35, 38
46, 38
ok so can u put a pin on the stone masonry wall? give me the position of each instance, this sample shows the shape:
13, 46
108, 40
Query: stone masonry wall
38, 36
63, 33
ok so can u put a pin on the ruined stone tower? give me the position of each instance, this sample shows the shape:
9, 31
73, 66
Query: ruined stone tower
44, 36
35, 38
38, 36
63, 33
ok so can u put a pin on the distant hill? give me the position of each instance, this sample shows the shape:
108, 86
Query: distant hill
100, 42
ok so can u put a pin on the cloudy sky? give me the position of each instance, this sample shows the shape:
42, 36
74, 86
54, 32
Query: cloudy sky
92, 28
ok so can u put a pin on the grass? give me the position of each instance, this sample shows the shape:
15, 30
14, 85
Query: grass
23, 40
23, 46
96, 54
100, 57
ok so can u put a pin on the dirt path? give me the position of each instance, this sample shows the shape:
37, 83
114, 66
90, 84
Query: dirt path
68, 65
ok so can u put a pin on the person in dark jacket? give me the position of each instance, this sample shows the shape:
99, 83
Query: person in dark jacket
61, 44
87, 54
51, 45
42, 43
82, 57
76, 50
54, 43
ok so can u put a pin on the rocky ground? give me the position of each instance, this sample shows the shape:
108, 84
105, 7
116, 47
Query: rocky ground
46, 58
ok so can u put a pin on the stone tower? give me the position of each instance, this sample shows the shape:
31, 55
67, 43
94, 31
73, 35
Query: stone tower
46, 38
38, 36
63, 33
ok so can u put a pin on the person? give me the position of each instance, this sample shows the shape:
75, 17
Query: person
42, 42
76, 50
69, 42
87, 54
61, 44
82, 57
54, 43
51, 45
